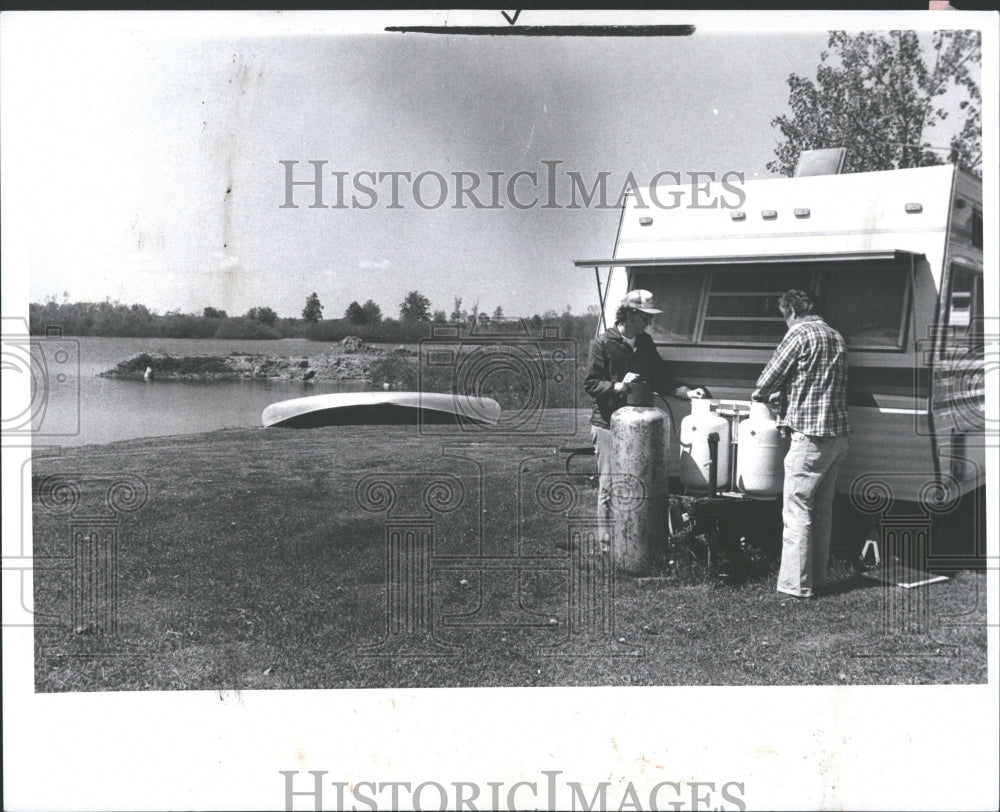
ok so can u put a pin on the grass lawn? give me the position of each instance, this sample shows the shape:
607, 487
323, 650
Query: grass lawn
259, 560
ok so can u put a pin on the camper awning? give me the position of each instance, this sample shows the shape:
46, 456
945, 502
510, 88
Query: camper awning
745, 259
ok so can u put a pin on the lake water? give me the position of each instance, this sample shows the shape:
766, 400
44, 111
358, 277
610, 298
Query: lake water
73, 406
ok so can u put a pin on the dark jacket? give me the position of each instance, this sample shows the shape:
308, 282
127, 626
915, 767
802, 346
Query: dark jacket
611, 359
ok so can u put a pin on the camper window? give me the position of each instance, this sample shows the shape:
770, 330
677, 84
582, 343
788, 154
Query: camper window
678, 294
866, 301
962, 316
966, 300
967, 224
743, 308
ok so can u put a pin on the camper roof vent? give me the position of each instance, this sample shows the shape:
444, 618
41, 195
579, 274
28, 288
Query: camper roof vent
820, 162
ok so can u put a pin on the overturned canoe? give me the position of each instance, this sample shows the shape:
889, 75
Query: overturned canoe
366, 408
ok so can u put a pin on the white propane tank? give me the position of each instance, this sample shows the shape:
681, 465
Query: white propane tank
760, 462
695, 455
640, 452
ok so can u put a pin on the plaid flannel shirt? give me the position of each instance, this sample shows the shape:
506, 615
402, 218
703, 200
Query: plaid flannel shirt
809, 368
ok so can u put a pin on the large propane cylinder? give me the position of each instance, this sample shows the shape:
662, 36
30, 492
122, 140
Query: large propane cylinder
760, 462
695, 454
640, 453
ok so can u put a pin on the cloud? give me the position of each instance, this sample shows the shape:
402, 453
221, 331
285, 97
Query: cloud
228, 262
369, 265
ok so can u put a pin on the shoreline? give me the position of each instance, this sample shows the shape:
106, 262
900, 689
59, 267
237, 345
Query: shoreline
150, 441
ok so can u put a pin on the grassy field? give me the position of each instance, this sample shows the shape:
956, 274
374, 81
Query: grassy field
259, 560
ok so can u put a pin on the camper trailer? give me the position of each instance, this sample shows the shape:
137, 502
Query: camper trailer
896, 259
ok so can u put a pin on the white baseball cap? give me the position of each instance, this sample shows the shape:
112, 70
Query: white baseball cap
641, 300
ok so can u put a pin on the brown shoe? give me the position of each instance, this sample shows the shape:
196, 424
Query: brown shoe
787, 596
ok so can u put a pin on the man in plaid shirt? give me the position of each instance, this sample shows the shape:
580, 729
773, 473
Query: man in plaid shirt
809, 370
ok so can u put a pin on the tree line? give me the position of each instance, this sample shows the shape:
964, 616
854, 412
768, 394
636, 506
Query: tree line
416, 318
116, 319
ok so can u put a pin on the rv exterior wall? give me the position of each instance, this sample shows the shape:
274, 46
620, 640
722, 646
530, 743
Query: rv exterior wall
890, 385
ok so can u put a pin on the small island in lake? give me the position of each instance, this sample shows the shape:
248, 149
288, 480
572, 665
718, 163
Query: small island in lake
351, 360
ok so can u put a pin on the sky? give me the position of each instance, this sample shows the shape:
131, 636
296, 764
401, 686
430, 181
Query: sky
142, 154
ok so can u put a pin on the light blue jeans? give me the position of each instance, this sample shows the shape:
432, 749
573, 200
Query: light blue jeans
811, 467
602, 450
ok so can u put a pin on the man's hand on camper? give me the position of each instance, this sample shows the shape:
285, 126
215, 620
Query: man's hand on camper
684, 393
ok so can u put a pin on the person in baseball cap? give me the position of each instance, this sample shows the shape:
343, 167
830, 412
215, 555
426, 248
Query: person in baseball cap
618, 356
641, 300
